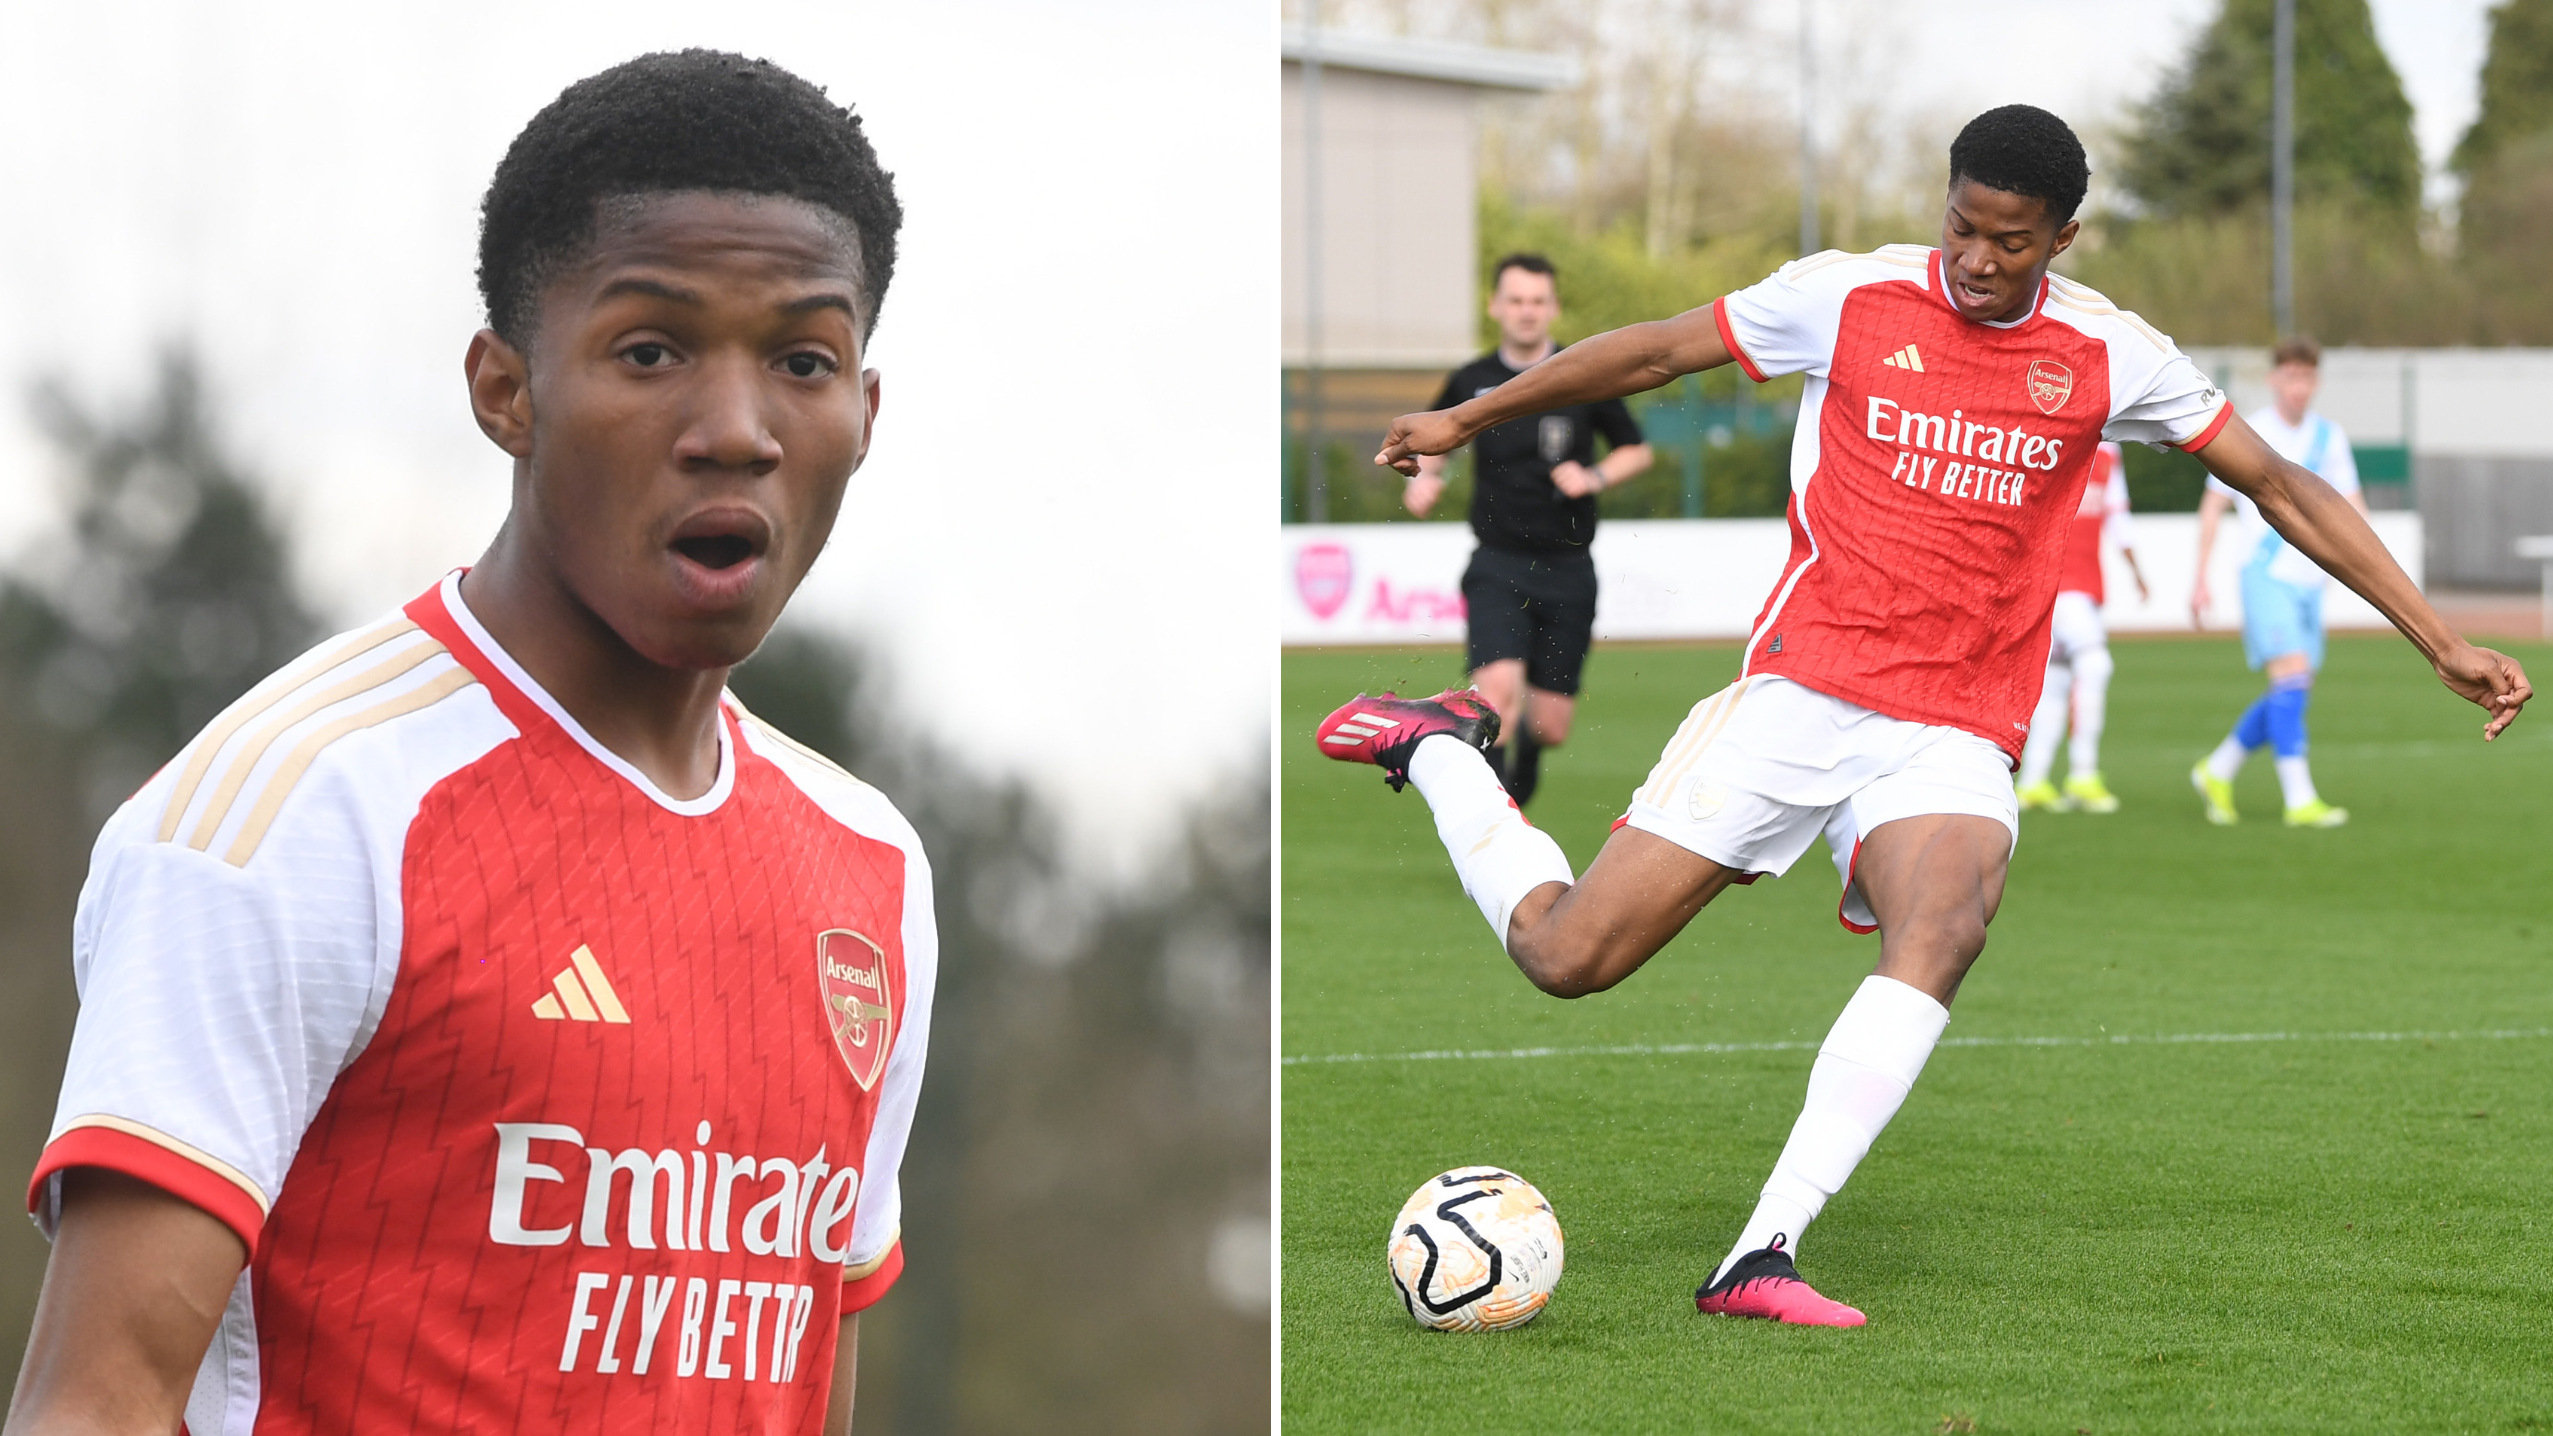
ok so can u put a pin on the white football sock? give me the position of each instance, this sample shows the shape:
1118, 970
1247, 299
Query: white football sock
2228, 758
1499, 856
2296, 780
2092, 669
2039, 750
1864, 1070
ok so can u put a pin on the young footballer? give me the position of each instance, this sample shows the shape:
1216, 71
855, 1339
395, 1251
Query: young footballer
2282, 596
487, 1024
2079, 665
1955, 400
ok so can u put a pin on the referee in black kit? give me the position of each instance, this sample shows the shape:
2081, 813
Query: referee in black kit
1531, 586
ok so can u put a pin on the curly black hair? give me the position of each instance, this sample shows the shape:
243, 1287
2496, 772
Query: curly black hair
677, 120
2024, 150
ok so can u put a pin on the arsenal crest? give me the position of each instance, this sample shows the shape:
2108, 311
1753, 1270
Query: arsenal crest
1323, 573
2051, 384
856, 1004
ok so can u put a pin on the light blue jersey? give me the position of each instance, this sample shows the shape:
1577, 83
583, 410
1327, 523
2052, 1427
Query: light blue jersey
2283, 589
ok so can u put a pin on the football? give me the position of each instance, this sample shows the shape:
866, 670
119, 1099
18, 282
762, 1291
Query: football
1476, 1249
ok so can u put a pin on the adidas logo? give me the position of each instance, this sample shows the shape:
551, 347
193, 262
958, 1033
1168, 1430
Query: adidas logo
591, 1000
1905, 358
1362, 726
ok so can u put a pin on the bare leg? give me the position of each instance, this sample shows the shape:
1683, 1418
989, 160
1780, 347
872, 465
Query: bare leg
1934, 883
1570, 940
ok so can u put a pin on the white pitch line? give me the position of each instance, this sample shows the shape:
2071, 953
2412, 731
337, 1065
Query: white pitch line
1683, 1049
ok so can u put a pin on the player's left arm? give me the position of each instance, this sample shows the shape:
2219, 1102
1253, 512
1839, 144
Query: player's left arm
2333, 532
846, 1378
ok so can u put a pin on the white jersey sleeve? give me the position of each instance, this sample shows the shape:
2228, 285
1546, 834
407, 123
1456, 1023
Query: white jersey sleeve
1788, 322
239, 931
874, 1255
2157, 395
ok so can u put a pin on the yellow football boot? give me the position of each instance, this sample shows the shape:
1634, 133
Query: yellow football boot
2317, 814
2044, 795
2089, 794
2219, 796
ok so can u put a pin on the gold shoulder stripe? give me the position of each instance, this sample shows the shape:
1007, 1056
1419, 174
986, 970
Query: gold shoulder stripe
189, 1151
236, 776
237, 716
280, 786
870, 1267
792, 744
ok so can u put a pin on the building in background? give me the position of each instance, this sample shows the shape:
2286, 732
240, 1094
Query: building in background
1381, 283
2459, 434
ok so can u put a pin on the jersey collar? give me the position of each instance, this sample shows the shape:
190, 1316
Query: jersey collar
1941, 286
508, 678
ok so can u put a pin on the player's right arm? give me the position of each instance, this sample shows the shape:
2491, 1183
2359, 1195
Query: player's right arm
136, 1285
1630, 360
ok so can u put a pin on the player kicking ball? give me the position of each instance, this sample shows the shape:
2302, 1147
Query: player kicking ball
486, 1024
1955, 400
2079, 662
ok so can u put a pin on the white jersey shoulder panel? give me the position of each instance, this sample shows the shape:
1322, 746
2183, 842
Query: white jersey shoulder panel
2157, 395
1789, 321
240, 926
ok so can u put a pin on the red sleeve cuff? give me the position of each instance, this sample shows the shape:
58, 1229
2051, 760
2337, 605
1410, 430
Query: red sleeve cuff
862, 1292
224, 1193
1728, 336
2215, 426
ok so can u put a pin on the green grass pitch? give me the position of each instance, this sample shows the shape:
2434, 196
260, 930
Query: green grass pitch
2320, 1233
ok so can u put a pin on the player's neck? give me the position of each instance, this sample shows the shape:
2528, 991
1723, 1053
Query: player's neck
661, 721
1521, 358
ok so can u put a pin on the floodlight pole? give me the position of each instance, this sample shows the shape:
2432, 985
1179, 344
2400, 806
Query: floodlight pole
1808, 137
1316, 487
2282, 170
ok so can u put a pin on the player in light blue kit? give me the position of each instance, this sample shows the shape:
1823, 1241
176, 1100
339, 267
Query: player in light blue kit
2282, 596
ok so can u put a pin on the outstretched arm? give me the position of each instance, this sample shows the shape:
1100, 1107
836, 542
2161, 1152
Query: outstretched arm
2330, 530
1629, 360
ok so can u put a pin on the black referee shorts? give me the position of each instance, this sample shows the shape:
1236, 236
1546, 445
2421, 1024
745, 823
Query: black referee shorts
1537, 607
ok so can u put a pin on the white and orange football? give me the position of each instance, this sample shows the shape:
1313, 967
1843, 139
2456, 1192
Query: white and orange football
1476, 1249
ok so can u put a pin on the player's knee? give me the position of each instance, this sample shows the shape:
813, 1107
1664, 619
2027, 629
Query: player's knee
1559, 964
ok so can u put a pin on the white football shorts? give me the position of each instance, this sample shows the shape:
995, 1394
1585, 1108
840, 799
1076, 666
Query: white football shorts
1765, 764
2076, 628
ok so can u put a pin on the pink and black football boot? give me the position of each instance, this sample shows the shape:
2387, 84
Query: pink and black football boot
1385, 729
1764, 1284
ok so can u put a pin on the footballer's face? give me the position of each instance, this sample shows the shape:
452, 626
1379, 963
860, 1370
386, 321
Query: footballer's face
1995, 248
691, 408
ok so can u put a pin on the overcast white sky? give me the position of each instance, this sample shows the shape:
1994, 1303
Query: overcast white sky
1064, 524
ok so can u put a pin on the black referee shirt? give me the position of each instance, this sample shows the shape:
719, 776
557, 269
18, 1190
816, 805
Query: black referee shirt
1515, 506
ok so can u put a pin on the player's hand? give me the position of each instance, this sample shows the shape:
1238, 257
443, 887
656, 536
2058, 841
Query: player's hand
1420, 493
1411, 435
2198, 604
1574, 479
2492, 680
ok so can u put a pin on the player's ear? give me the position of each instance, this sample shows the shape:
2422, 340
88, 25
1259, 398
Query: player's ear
500, 392
2065, 237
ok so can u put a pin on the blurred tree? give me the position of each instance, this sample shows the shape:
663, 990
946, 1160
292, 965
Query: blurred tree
2505, 222
2201, 144
2517, 84
163, 597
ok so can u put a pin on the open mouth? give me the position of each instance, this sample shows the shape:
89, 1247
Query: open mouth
715, 551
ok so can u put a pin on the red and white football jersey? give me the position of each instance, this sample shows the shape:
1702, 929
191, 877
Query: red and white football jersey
2104, 510
543, 1100
1936, 464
